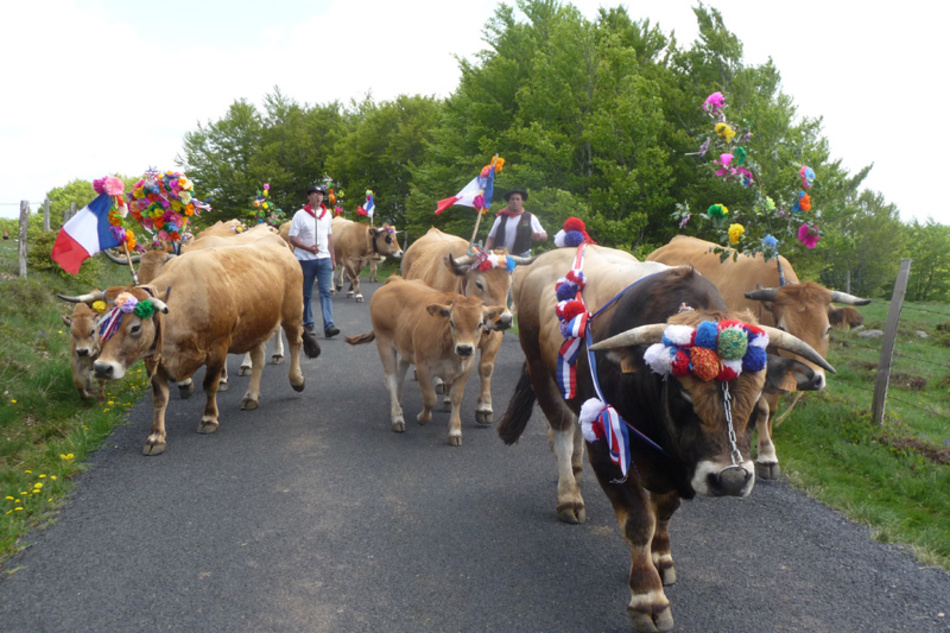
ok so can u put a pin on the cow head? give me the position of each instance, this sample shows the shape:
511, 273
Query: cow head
83, 331
805, 311
130, 329
384, 241
706, 423
487, 279
466, 317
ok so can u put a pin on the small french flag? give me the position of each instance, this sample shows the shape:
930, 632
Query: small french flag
370, 207
84, 235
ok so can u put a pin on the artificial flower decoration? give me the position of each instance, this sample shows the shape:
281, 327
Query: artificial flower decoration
164, 202
735, 233
725, 131
99, 306
714, 103
808, 235
803, 203
145, 309
769, 241
741, 155
264, 209
717, 211
808, 176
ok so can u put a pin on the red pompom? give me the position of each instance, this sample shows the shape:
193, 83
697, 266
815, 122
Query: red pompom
680, 364
574, 224
571, 309
727, 373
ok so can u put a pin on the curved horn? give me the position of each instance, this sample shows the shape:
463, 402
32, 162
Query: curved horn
844, 297
784, 340
522, 261
762, 294
120, 260
89, 297
641, 335
461, 263
159, 305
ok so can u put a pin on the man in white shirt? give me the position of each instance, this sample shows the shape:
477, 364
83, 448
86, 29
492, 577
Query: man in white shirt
311, 235
515, 228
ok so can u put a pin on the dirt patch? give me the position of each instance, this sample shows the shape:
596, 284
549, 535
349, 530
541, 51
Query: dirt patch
934, 454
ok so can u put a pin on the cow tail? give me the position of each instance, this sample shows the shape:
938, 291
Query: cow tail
520, 407
310, 346
359, 339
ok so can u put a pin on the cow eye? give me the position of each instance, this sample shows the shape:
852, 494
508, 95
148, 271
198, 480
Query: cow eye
135, 329
452, 323
480, 286
828, 332
389, 240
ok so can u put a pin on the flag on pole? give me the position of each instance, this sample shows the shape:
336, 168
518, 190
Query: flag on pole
84, 235
370, 207
477, 193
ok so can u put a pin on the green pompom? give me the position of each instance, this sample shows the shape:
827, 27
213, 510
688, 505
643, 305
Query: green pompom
145, 309
732, 344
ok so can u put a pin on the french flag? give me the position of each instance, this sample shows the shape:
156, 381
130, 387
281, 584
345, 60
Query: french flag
84, 235
464, 198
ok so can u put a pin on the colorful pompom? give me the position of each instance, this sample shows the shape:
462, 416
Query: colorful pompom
706, 334
755, 359
705, 363
735, 233
732, 344
717, 211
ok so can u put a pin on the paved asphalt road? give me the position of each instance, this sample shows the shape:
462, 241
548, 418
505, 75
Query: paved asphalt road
311, 515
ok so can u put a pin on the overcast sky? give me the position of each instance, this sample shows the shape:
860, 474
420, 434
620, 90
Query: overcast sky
94, 87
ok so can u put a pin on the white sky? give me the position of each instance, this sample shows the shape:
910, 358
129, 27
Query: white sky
94, 87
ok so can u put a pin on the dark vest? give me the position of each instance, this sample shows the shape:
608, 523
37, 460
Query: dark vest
522, 234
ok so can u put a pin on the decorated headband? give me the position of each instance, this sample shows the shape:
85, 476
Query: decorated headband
125, 303
712, 350
485, 260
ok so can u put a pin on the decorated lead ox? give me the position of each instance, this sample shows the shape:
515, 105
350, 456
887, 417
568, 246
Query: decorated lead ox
668, 408
804, 310
414, 324
202, 306
356, 244
443, 262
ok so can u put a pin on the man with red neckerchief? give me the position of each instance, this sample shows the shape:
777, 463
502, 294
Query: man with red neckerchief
311, 235
515, 228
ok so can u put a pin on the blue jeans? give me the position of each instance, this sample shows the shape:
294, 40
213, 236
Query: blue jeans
320, 270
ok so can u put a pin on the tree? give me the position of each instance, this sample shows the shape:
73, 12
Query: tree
929, 246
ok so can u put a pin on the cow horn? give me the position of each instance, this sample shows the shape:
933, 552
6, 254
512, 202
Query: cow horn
120, 260
159, 305
844, 297
762, 294
89, 297
641, 335
522, 261
784, 340
462, 262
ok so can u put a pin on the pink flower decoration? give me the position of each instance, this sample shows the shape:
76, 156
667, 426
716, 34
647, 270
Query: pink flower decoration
479, 201
714, 102
113, 186
97, 184
808, 235
724, 160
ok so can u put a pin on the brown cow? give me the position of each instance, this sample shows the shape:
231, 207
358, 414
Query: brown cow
437, 332
84, 344
209, 303
689, 433
752, 283
356, 244
443, 262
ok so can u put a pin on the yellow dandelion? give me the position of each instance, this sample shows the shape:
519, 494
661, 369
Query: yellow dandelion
28, 472
60, 331
111, 403
38, 485
13, 402
17, 509
9, 498
42, 476
52, 477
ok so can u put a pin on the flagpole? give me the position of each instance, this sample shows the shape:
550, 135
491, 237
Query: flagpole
481, 211
128, 258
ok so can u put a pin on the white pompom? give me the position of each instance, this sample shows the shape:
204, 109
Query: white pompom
559, 239
590, 411
679, 334
657, 357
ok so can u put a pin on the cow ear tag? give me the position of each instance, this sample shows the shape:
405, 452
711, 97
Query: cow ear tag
626, 364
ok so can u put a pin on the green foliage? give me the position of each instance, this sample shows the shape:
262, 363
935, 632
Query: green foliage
38, 260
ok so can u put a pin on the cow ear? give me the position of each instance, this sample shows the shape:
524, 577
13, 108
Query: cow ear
438, 310
623, 357
787, 375
67, 320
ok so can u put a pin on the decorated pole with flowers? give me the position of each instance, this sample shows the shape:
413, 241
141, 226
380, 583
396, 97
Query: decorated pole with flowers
477, 193
163, 204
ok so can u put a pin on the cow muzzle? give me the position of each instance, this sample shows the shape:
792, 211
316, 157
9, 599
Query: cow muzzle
714, 480
107, 370
464, 350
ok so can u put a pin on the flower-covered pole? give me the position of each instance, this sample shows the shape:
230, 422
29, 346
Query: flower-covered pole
483, 199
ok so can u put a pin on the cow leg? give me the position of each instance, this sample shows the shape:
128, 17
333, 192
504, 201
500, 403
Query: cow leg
293, 330
223, 379
186, 388
337, 284
155, 444
252, 398
247, 365
101, 392
278, 356
649, 607
353, 270
455, 418
486, 367
664, 506
766, 460
209, 419
429, 398
394, 371
373, 270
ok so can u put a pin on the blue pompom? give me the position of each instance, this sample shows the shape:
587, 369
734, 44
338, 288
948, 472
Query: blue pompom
510, 264
755, 359
566, 291
706, 335
573, 238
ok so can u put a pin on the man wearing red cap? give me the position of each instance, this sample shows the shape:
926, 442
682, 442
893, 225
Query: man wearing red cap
515, 228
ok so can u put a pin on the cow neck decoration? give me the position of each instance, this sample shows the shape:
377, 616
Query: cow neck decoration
125, 303
486, 260
598, 419
711, 350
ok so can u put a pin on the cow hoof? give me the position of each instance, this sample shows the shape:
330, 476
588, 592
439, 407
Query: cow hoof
276, 359
349, 295
207, 427
222, 386
424, 417
573, 513
485, 418
298, 386
455, 440
399, 426
440, 387
764, 470
249, 403
186, 390
667, 573
660, 620
153, 448
446, 405
359, 298
245, 370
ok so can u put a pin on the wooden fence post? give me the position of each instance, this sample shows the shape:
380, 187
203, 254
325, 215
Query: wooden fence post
887, 347
69, 214
21, 246
46, 216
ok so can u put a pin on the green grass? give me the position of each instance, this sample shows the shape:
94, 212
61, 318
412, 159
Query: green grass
894, 477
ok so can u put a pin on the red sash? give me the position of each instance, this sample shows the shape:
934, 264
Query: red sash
323, 211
